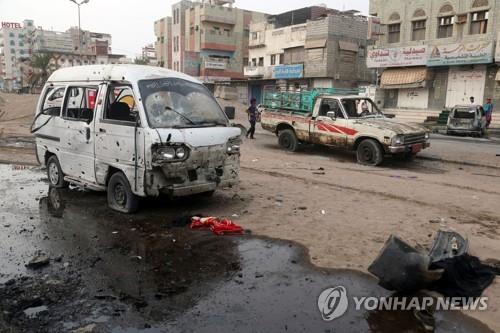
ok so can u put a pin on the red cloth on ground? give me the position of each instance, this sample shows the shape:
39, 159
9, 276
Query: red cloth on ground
217, 226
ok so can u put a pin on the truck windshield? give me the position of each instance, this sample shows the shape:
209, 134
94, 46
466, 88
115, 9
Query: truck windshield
464, 113
360, 108
177, 103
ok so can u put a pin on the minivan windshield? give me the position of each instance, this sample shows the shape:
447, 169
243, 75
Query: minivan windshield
177, 103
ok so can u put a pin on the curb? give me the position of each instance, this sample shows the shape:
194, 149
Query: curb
437, 159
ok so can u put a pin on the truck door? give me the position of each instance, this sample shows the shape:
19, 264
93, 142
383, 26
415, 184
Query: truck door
77, 135
329, 130
117, 141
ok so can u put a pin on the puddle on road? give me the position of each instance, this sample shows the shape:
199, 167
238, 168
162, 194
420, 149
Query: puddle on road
141, 274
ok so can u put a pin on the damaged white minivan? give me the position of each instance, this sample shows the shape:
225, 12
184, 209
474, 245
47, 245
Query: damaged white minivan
134, 131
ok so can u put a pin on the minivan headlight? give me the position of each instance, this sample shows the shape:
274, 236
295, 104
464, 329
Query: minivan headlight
167, 153
170, 153
233, 146
180, 153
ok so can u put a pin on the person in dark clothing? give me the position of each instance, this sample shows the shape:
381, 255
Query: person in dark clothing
252, 117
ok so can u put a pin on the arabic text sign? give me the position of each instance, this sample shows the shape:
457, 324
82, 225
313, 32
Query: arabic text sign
461, 54
397, 57
288, 71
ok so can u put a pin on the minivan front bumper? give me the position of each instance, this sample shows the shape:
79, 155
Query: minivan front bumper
206, 169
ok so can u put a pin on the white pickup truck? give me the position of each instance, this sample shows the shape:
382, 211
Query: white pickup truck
349, 122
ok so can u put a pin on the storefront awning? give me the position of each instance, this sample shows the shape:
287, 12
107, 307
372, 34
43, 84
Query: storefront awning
405, 78
315, 44
348, 46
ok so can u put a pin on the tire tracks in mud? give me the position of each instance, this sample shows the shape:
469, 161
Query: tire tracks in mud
453, 210
376, 172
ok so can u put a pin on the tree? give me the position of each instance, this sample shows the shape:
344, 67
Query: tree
141, 61
42, 68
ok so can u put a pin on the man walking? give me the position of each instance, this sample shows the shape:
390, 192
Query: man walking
252, 117
488, 112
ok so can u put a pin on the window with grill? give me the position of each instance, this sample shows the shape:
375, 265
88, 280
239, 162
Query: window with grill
445, 27
479, 23
418, 30
394, 33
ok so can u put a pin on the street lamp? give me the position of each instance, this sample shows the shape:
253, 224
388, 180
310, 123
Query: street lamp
79, 27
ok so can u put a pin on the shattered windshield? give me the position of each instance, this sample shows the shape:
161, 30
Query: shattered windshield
177, 103
360, 108
464, 113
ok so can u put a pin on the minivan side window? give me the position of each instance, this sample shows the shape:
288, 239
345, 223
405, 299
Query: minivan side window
120, 105
79, 103
53, 101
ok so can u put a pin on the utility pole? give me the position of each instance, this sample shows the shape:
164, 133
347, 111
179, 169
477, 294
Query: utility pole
79, 24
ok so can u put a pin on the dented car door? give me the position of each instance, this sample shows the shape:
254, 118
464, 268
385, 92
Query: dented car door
77, 135
119, 134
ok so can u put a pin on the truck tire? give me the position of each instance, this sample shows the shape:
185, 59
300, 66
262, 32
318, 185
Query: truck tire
120, 195
288, 140
54, 173
370, 152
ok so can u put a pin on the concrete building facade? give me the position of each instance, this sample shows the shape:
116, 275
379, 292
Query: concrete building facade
318, 48
163, 44
19, 41
14, 48
436, 54
209, 39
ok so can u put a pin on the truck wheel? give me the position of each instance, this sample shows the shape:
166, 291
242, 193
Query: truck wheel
120, 196
370, 153
54, 173
288, 140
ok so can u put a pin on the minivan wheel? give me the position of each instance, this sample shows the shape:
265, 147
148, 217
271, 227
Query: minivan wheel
120, 196
370, 153
288, 140
54, 173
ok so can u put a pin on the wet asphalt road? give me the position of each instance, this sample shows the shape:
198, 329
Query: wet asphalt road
143, 273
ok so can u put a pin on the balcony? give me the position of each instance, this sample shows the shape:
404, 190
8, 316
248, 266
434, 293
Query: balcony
218, 14
213, 40
256, 72
257, 41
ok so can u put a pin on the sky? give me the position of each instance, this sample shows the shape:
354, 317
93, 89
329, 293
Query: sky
130, 22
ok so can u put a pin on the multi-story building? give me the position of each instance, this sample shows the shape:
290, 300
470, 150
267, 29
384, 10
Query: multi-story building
19, 41
149, 54
14, 48
163, 44
313, 47
433, 54
209, 39
52, 41
88, 40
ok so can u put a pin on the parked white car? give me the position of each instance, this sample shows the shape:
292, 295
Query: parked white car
134, 131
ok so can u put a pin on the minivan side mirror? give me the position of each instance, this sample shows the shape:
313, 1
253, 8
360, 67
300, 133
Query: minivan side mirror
230, 112
331, 114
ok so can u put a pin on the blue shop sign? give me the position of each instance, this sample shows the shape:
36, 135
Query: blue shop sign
288, 71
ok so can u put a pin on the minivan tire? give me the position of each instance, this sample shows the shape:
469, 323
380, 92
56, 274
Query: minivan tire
370, 152
120, 195
288, 140
54, 173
